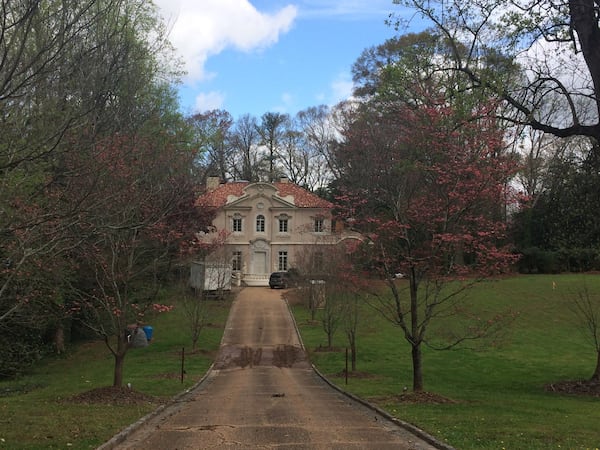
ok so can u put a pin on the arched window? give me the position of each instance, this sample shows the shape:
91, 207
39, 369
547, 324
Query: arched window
260, 223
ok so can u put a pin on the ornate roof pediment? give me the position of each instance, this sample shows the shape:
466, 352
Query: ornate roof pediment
260, 190
280, 195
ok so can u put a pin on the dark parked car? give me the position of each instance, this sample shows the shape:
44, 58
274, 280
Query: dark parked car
278, 280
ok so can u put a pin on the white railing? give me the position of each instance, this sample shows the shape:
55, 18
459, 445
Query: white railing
256, 279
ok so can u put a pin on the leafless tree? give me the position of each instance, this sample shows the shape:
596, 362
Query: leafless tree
272, 129
293, 157
244, 142
319, 136
557, 42
213, 137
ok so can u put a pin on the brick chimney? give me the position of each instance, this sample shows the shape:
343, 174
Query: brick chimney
283, 179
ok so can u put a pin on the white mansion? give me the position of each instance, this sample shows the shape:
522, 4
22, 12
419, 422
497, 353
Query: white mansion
270, 226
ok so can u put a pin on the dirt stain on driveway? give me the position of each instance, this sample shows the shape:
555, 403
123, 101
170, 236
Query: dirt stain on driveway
233, 356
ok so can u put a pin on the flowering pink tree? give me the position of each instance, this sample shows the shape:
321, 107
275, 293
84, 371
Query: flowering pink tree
429, 194
138, 219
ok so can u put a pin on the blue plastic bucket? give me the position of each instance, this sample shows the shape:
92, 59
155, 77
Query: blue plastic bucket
148, 330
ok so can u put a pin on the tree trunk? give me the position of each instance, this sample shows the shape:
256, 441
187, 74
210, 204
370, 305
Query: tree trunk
353, 353
584, 21
122, 347
313, 304
59, 339
118, 374
459, 255
417, 368
415, 338
596, 375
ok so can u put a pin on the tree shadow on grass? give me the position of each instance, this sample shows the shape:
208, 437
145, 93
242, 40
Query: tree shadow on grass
415, 398
590, 388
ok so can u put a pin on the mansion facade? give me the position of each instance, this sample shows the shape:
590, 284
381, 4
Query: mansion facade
270, 227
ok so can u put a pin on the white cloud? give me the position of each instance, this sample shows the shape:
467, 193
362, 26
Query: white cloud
351, 9
285, 105
207, 101
287, 101
203, 28
342, 87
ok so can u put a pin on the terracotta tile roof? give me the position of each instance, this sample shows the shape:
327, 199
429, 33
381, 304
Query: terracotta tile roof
218, 197
302, 198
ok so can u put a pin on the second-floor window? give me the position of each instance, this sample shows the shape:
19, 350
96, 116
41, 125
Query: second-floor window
283, 225
318, 225
260, 224
237, 225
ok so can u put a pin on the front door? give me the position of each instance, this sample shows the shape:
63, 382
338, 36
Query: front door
260, 262
260, 256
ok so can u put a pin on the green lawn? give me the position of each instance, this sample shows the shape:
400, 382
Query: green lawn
35, 411
498, 390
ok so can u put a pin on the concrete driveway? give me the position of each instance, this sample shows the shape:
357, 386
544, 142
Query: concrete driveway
263, 394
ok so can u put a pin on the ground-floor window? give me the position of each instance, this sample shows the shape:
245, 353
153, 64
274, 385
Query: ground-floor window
283, 261
236, 261
319, 228
318, 259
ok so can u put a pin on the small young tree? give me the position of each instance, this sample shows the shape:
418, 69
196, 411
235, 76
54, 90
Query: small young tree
331, 316
315, 297
312, 271
196, 311
194, 298
351, 315
218, 258
347, 286
333, 287
586, 306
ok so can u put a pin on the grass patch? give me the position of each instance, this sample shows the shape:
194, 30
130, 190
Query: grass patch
36, 410
498, 391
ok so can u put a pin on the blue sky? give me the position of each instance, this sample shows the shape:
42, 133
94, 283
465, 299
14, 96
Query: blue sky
258, 56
